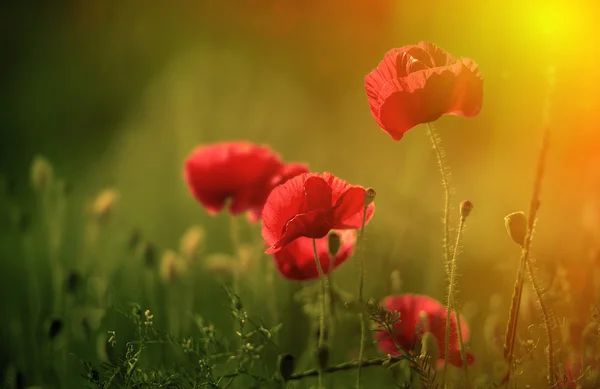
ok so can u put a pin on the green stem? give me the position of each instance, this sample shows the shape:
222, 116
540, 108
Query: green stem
435, 141
363, 329
450, 304
322, 316
234, 231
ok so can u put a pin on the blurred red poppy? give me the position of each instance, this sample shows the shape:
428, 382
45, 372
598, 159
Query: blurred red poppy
242, 172
296, 261
310, 205
574, 370
418, 84
408, 334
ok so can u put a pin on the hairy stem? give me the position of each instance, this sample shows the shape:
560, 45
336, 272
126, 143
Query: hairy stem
510, 335
361, 315
234, 231
547, 323
439, 152
322, 315
450, 304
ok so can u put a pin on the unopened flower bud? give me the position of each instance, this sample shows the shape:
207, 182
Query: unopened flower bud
465, 208
323, 356
429, 347
287, 363
192, 242
171, 266
369, 196
149, 254
41, 173
334, 243
72, 281
104, 204
516, 225
56, 326
396, 281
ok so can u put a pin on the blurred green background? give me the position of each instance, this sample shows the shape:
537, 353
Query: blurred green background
118, 93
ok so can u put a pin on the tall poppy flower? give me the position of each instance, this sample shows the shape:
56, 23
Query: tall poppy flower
418, 84
409, 331
296, 261
241, 172
310, 205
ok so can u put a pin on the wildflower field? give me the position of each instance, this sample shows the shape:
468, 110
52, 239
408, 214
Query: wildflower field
299, 194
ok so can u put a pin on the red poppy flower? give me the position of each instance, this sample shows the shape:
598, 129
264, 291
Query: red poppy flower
242, 172
574, 368
418, 84
296, 261
310, 205
408, 335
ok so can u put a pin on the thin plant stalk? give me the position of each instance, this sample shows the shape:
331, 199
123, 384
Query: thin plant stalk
510, 335
453, 307
363, 329
322, 298
445, 174
234, 231
547, 323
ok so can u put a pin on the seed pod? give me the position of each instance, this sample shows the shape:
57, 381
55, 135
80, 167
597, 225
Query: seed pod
56, 326
369, 196
287, 364
334, 242
465, 208
516, 226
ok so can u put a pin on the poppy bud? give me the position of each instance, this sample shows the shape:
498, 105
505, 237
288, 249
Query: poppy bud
369, 196
56, 326
516, 225
41, 173
429, 347
465, 208
104, 204
149, 254
323, 356
334, 243
171, 266
135, 237
287, 363
192, 242
396, 281
72, 281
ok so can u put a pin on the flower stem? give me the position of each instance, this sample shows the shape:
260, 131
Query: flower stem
361, 315
322, 316
234, 231
451, 303
444, 171
547, 323
510, 335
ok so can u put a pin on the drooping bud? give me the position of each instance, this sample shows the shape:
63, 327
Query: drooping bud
72, 282
192, 242
334, 242
396, 281
465, 208
171, 266
429, 348
149, 254
104, 204
369, 196
287, 364
55, 328
516, 226
41, 173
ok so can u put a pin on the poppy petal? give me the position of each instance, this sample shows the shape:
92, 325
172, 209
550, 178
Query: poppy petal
312, 224
284, 202
318, 194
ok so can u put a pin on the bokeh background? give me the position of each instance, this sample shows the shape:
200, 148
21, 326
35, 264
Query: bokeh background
118, 93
